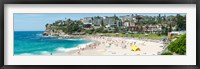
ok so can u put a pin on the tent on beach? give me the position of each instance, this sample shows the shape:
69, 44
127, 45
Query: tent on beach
135, 48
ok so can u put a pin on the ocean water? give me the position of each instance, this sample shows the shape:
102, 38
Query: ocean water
32, 42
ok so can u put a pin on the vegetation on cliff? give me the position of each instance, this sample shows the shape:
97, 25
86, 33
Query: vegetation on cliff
179, 45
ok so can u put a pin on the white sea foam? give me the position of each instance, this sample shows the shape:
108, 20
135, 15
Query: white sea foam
61, 49
39, 34
84, 45
29, 54
73, 39
60, 38
25, 54
45, 52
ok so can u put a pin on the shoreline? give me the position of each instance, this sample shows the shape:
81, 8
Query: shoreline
118, 46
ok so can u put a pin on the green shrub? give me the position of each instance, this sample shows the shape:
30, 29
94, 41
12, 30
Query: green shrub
89, 31
179, 45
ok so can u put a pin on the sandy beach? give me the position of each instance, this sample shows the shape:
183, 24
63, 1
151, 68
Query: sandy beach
107, 46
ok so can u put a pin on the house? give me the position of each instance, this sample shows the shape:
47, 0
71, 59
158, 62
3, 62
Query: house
87, 22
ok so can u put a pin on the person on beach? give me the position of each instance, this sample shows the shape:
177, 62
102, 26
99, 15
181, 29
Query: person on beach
82, 49
134, 43
95, 47
131, 44
123, 45
143, 43
79, 52
116, 45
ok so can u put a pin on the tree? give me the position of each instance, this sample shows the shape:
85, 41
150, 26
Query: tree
179, 45
98, 17
115, 17
102, 24
181, 22
170, 27
47, 25
99, 30
138, 18
90, 31
116, 30
105, 31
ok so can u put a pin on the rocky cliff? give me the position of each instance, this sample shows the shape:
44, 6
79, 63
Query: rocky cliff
53, 31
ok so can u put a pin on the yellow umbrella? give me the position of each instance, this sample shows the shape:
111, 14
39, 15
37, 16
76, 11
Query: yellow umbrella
134, 48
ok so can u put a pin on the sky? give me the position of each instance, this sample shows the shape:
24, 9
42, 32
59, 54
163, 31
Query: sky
37, 21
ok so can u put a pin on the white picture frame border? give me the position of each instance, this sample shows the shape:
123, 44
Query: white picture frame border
189, 59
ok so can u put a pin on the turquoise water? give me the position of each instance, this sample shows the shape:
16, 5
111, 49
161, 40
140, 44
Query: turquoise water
33, 42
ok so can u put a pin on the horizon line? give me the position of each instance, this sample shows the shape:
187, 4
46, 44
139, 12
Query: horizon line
29, 30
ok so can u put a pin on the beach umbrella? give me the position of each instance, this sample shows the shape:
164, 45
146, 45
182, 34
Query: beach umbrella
134, 48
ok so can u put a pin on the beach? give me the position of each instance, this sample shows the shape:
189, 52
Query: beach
109, 46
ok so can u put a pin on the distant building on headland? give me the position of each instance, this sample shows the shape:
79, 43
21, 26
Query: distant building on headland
134, 23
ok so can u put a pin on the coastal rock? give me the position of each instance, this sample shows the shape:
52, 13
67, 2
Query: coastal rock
45, 34
53, 31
